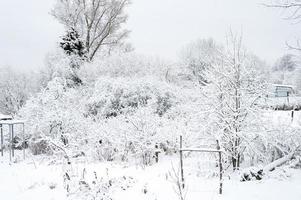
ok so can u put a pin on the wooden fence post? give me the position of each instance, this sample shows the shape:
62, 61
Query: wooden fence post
181, 161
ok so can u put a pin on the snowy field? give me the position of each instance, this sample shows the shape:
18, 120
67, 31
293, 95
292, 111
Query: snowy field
44, 177
35, 180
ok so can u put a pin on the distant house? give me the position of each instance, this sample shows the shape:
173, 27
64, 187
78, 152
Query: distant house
278, 90
281, 97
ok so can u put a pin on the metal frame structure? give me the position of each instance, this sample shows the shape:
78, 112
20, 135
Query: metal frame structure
202, 150
11, 124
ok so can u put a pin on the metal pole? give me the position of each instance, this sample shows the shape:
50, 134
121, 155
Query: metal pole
181, 161
10, 139
1, 129
24, 145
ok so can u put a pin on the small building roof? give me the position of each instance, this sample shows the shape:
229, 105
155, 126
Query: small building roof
5, 117
280, 85
11, 122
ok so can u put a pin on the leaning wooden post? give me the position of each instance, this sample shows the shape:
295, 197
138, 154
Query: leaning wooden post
220, 168
2, 140
181, 161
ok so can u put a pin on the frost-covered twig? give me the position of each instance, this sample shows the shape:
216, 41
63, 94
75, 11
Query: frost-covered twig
178, 189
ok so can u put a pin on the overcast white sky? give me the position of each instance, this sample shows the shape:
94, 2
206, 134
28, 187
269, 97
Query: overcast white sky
159, 27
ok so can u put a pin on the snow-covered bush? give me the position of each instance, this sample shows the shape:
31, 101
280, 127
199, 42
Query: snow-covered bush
279, 137
115, 96
138, 136
115, 119
131, 108
55, 115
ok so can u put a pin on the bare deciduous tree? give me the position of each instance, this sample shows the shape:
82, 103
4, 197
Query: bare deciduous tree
293, 7
293, 12
99, 22
14, 90
198, 56
233, 89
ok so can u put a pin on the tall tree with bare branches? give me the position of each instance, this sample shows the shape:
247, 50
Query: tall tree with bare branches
98, 22
293, 12
293, 7
234, 85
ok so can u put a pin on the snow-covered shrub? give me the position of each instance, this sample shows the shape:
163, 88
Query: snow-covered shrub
63, 65
251, 174
40, 146
276, 136
141, 131
295, 163
137, 136
55, 116
128, 109
115, 119
115, 96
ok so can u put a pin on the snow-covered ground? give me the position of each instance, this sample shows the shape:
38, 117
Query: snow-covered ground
44, 178
36, 180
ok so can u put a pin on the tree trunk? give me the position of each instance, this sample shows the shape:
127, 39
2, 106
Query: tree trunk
236, 162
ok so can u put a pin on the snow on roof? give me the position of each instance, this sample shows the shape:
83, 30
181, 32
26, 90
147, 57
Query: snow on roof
10, 122
280, 85
5, 117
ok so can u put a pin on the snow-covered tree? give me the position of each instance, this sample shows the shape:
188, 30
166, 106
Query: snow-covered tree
59, 64
234, 88
199, 56
285, 69
15, 88
98, 22
297, 80
74, 48
285, 63
73, 45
